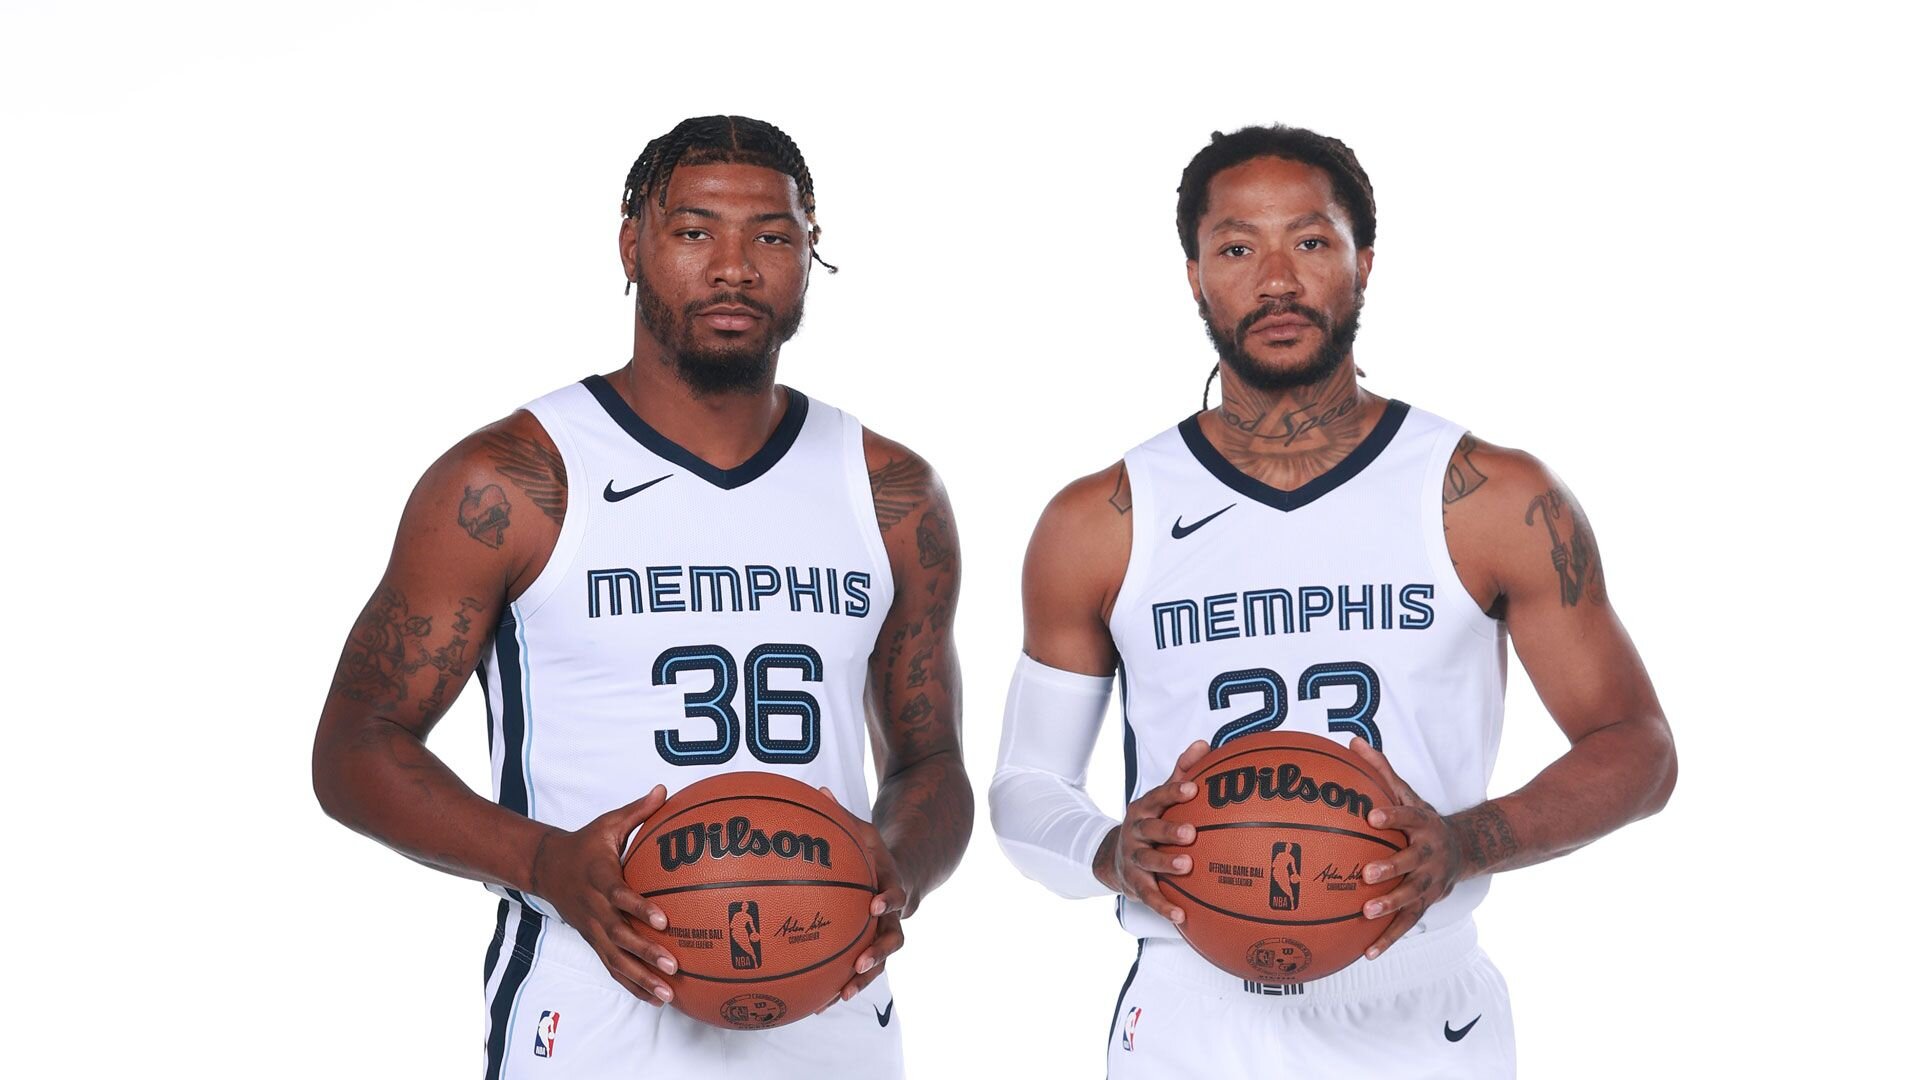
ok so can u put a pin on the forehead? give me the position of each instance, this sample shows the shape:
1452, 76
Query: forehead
751, 189
1269, 188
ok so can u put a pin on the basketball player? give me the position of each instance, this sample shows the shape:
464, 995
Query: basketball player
670, 571
1310, 556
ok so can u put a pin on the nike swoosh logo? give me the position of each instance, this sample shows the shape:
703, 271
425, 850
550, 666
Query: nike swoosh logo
1181, 532
1456, 1036
884, 1017
616, 496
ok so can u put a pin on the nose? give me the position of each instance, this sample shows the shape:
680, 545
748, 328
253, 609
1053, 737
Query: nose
1277, 278
731, 263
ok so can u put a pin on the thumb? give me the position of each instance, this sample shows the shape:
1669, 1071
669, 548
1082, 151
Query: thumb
1189, 758
628, 818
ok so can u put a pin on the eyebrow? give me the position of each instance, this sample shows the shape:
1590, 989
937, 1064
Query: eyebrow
1312, 217
702, 212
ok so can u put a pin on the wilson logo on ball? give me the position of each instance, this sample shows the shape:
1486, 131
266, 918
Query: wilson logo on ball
738, 837
1237, 785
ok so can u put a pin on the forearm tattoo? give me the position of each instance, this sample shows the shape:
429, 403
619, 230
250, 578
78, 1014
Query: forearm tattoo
1486, 838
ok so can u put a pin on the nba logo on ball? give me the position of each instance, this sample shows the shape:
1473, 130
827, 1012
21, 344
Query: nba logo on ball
743, 930
543, 1033
1283, 893
1126, 1033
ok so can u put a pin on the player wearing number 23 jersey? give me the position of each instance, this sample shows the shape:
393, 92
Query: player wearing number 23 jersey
676, 569
1311, 557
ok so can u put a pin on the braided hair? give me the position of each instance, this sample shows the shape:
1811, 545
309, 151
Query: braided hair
713, 140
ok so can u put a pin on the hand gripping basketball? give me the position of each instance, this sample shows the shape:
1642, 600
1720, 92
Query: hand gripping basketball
1132, 855
579, 873
1428, 867
889, 907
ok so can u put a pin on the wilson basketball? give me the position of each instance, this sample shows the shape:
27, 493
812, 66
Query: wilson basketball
1280, 837
766, 887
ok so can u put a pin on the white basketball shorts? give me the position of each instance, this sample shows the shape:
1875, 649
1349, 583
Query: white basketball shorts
552, 1011
1432, 1006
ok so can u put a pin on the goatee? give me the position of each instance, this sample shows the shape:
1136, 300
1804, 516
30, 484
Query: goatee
717, 370
1336, 341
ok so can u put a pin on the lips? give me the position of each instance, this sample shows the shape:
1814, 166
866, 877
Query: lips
1282, 324
728, 317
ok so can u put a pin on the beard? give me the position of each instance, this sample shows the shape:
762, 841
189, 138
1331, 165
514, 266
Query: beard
1336, 342
739, 365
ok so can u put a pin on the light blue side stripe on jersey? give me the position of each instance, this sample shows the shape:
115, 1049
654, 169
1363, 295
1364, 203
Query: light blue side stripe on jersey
526, 707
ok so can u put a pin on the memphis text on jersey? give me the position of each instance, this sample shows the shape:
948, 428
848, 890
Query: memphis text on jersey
822, 590
1265, 612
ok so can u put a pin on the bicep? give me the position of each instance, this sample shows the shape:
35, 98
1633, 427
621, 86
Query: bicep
914, 674
423, 630
1074, 565
1564, 627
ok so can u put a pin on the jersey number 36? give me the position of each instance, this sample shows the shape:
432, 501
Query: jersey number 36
763, 703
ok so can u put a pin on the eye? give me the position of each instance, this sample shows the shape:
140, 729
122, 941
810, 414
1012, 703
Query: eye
1312, 243
1235, 251
774, 238
692, 234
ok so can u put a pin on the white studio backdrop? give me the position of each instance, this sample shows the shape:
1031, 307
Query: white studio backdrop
262, 263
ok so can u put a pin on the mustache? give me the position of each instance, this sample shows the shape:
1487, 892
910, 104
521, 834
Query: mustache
1272, 308
732, 299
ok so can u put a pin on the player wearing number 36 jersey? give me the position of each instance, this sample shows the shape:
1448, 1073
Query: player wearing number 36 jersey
670, 571
1309, 556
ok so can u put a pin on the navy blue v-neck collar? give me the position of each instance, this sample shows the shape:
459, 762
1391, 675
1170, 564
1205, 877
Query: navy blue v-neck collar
1346, 469
744, 473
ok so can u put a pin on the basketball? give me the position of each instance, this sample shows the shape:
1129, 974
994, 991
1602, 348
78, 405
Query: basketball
766, 888
1280, 837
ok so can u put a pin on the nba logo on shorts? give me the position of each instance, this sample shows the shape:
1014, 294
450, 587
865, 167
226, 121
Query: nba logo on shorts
543, 1033
1283, 892
1126, 1033
743, 932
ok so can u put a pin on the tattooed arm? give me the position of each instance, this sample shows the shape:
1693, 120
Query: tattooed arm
1524, 550
923, 812
476, 531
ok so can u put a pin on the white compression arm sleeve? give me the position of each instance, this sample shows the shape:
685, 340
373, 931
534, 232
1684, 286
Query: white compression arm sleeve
1047, 824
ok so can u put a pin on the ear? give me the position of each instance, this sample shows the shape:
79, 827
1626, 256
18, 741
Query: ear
1364, 260
630, 247
1193, 278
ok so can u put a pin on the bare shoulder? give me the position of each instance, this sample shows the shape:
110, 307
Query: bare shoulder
1511, 523
915, 517
904, 484
1096, 506
1078, 555
501, 490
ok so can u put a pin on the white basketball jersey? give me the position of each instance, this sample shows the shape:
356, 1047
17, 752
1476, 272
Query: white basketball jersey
691, 620
1332, 609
